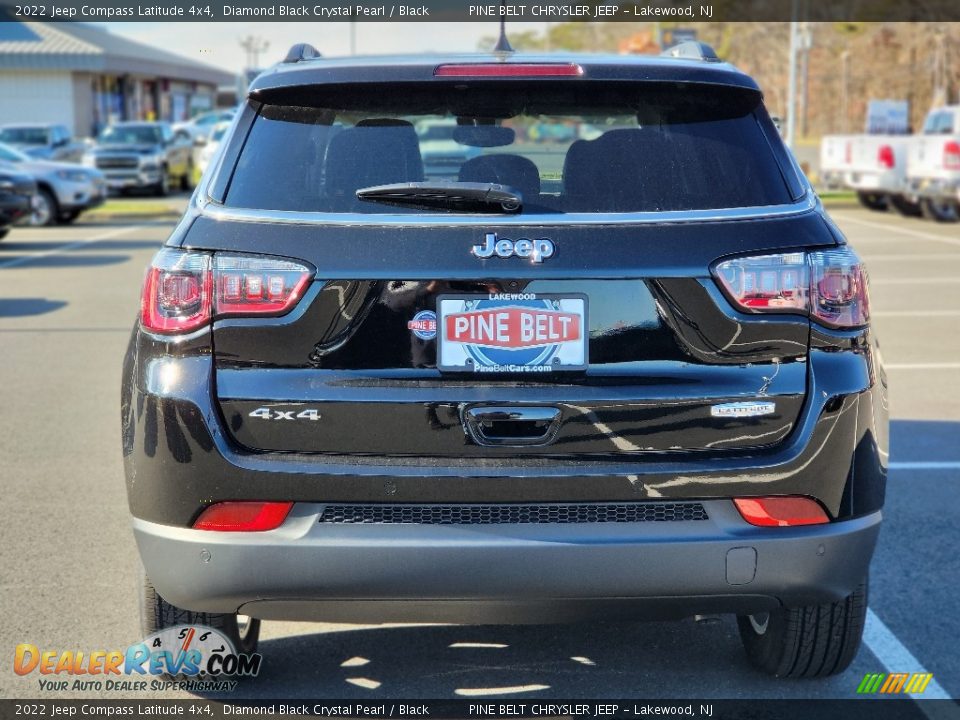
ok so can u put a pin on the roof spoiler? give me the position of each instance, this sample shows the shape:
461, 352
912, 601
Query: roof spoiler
302, 51
692, 50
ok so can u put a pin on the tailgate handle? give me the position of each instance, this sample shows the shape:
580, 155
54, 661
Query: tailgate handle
507, 425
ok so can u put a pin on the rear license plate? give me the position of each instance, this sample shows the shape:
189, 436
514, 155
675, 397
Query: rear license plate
512, 333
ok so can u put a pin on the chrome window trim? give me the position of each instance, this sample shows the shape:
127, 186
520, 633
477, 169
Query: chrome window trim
207, 208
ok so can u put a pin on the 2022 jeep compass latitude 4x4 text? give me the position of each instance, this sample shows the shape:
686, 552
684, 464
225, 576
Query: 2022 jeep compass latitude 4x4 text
623, 373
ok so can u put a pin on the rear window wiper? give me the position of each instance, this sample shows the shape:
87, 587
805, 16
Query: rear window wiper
446, 195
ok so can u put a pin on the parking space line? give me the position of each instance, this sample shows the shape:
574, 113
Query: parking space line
923, 366
905, 257
895, 657
914, 313
894, 228
914, 281
69, 246
925, 465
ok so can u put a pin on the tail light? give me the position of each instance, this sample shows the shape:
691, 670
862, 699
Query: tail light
885, 157
184, 291
781, 511
828, 285
257, 285
177, 293
244, 516
951, 155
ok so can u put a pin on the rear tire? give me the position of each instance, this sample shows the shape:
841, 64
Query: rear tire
941, 210
157, 614
872, 201
905, 207
4, 232
806, 642
45, 210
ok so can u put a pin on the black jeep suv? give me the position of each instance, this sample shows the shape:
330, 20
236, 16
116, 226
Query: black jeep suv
625, 370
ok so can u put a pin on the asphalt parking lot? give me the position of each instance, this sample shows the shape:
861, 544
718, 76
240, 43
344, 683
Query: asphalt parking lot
68, 297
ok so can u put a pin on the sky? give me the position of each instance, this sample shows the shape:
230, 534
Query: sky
218, 44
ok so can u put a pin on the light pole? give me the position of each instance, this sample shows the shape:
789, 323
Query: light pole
844, 89
806, 42
792, 82
254, 45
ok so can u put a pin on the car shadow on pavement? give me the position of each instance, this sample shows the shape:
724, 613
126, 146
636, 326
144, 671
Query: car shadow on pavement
60, 261
42, 245
24, 307
525, 662
132, 221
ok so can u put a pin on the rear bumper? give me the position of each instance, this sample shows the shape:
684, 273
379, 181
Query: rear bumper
131, 179
308, 570
935, 188
875, 181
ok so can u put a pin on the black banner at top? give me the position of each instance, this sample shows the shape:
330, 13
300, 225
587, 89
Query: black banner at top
481, 10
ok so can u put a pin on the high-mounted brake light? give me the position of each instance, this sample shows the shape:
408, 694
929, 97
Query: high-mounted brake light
243, 516
781, 511
828, 285
885, 157
951, 155
186, 290
509, 70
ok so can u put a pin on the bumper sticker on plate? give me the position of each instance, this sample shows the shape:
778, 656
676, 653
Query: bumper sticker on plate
512, 332
424, 325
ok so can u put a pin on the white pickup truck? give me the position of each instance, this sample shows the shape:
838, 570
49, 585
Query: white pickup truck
933, 165
873, 165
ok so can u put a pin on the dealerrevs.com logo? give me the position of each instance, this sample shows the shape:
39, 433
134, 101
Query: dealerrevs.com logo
190, 657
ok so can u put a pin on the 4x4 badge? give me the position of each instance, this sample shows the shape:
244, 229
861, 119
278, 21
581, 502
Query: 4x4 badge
537, 250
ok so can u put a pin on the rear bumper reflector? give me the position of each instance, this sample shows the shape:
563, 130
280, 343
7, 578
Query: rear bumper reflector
781, 511
243, 516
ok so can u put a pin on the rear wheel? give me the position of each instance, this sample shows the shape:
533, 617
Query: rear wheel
872, 201
941, 210
45, 210
905, 207
806, 642
157, 614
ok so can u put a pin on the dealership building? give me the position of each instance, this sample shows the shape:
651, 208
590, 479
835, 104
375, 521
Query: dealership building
84, 77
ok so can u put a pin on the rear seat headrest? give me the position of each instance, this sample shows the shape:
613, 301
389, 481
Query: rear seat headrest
377, 151
518, 172
622, 165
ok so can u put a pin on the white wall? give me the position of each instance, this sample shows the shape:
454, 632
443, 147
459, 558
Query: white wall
36, 96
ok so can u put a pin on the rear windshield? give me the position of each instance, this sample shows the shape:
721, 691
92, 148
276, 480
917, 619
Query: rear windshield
594, 148
24, 136
131, 135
